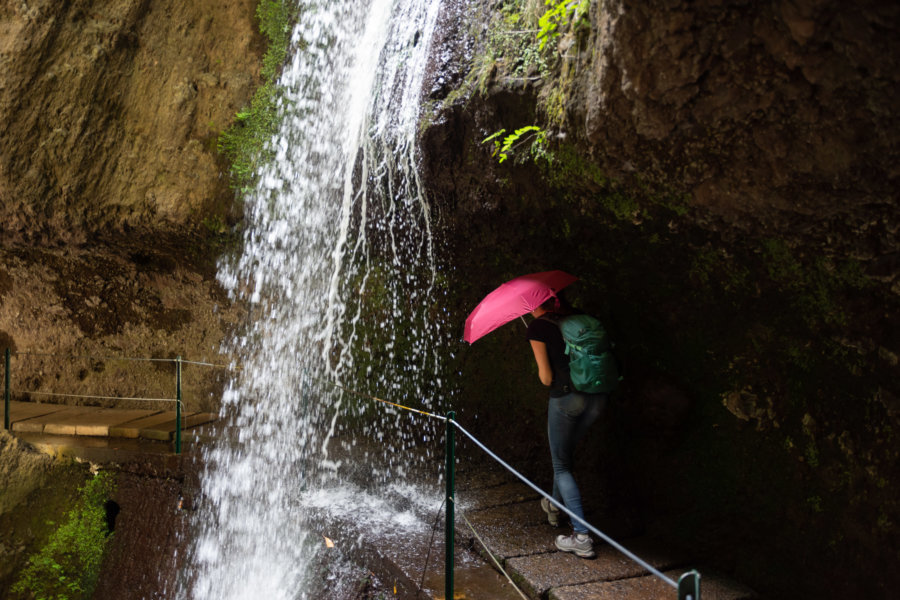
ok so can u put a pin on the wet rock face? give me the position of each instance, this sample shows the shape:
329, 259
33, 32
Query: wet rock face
111, 112
69, 315
777, 115
724, 182
146, 553
22, 469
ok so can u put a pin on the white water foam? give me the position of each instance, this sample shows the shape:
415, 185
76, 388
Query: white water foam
338, 271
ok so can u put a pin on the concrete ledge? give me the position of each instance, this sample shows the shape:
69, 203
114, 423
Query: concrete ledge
132, 428
543, 572
90, 421
23, 411
37, 424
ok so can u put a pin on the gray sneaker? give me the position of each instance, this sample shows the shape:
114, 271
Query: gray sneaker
579, 544
552, 512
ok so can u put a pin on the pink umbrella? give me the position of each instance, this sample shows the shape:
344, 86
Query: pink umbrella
513, 299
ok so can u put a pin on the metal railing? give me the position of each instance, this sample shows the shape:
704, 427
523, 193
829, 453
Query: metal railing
177, 400
687, 587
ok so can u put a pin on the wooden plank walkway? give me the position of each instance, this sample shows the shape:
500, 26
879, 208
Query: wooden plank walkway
57, 419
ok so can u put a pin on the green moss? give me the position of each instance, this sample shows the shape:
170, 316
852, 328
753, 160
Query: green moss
68, 565
815, 287
511, 49
243, 144
565, 170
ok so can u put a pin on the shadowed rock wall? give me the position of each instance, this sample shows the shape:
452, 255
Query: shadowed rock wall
722, 177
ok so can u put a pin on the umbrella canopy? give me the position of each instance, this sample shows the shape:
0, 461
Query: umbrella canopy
513, 299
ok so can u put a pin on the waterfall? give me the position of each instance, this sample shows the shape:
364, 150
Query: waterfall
339, 270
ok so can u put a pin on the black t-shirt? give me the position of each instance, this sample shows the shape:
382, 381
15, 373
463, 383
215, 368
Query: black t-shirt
544, 330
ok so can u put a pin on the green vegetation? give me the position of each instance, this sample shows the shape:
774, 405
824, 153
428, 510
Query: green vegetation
511, 48
559, 13
67, 566
815, 287
502, 149
243, 144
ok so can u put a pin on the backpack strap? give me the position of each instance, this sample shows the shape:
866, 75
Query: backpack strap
555, 318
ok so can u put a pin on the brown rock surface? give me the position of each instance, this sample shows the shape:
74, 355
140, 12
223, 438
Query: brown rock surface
723, 179
111, 112
22, 470
111, 190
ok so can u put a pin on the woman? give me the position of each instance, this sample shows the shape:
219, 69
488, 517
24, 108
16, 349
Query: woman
569, 415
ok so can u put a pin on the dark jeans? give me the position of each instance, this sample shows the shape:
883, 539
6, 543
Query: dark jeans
568, 419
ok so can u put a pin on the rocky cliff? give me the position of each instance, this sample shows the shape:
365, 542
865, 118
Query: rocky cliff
111, 113
722, 177
112, 190
113, 205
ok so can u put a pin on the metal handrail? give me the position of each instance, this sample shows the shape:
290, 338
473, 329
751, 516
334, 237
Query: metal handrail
179, 404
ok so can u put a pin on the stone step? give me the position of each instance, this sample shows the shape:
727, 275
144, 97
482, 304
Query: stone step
37, 423
133, 428
507, 517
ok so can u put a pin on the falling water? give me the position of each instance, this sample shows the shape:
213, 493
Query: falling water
339, 271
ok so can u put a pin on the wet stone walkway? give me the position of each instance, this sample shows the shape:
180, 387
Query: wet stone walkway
495, 506
508, 518
491, 504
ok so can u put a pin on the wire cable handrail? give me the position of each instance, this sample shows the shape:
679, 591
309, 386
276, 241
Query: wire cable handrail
208, 364
377, 399
91, 397
605, 537
120, 358
92, 357
179, 404
650, 568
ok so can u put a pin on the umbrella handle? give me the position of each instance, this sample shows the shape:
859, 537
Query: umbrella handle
525, 323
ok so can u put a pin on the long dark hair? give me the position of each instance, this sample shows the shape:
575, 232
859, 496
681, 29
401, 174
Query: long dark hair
557, 304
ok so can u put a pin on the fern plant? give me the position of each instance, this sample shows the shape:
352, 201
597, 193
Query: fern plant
504, 146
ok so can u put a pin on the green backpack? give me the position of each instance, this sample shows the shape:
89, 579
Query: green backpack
592, 366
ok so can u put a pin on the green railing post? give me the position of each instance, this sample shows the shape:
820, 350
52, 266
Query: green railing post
451, 513
689, 586
6, 392
178, 405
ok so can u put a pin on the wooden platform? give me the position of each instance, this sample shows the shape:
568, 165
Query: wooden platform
56, 419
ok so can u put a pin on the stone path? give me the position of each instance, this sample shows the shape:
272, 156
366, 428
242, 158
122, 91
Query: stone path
92, 421
507, 516
492, 503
